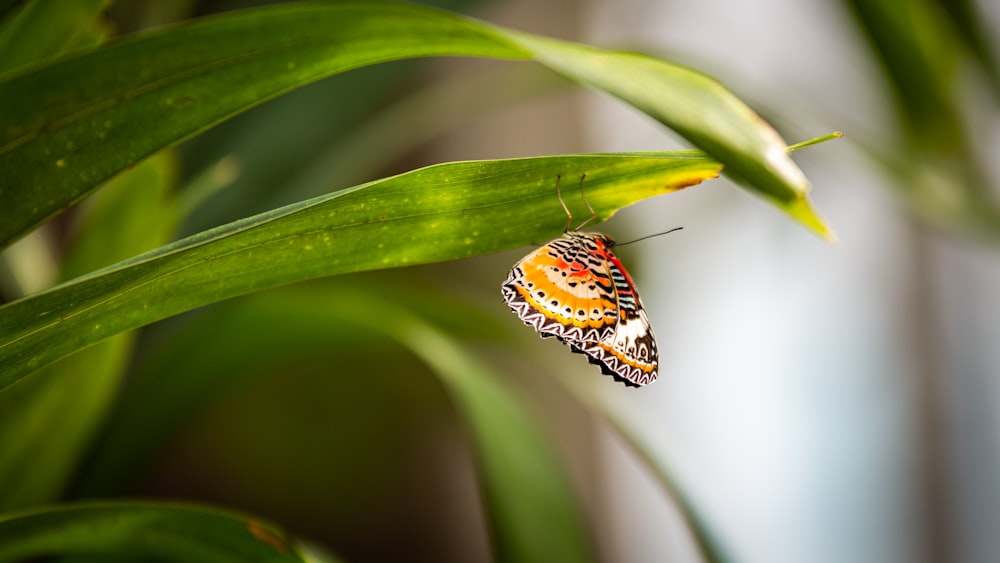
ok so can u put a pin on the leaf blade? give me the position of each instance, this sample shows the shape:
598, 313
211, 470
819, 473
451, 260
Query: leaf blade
46, 424
532, 511
173, 532
437, 213
62, 141
91, 116
42, 29
698, 107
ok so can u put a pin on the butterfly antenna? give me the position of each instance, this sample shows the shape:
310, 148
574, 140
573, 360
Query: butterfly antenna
569, 216
649, 236
593, 214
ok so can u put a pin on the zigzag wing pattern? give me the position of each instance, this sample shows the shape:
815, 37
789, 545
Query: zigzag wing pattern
575, 289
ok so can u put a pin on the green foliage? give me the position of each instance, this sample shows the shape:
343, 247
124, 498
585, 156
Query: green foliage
928, 50
166, 532
132, 214
439, 213
93, 115
107, 116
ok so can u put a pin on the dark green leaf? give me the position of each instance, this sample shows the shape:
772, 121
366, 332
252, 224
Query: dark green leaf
973, 29
920, 58
46, 424
43, 28
190, 369
532, 512
160, 531
72, 125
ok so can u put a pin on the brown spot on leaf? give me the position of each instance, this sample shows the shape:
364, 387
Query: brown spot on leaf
691, 181
267, 536
183, 101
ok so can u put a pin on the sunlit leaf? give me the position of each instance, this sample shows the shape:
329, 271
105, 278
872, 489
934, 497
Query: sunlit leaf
532, 512
46, 424
437, 213
74, 124
44, 28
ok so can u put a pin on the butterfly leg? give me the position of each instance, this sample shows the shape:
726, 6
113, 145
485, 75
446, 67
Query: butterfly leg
569, 216
593, 214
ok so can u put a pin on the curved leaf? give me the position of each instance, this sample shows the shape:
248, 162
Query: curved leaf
190, 370
46, 424
698, 107
43, 28
707, 543
442, 212
532, 512
166, 532
73, 124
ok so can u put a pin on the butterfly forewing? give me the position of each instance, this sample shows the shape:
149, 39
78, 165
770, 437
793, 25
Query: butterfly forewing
576, 289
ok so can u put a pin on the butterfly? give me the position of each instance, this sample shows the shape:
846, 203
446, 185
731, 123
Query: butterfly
576, 289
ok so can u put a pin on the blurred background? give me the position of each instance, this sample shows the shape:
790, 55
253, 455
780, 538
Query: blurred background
817, 402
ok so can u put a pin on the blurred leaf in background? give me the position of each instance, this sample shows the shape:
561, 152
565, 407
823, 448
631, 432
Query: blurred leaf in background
942, 74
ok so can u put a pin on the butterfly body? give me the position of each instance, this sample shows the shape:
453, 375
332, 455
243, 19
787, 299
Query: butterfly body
576, 289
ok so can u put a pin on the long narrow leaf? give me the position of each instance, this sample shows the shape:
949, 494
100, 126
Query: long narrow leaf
71, 125
437, 213
532, 512
43, 28
190, 370
707, 543
47, 423
698, 107
143, 531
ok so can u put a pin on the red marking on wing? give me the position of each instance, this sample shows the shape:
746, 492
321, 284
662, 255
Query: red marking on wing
618, 263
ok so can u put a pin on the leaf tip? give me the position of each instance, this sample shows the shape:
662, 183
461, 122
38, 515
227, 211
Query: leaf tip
802, 211
816, 141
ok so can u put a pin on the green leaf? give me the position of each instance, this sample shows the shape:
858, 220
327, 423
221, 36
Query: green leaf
937, 164
973, 29
920, 57
423, 115
43, 28
190, 370
698, 107
437, 213
532, 512
706, 542
76, 123
166, 532
46, 424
